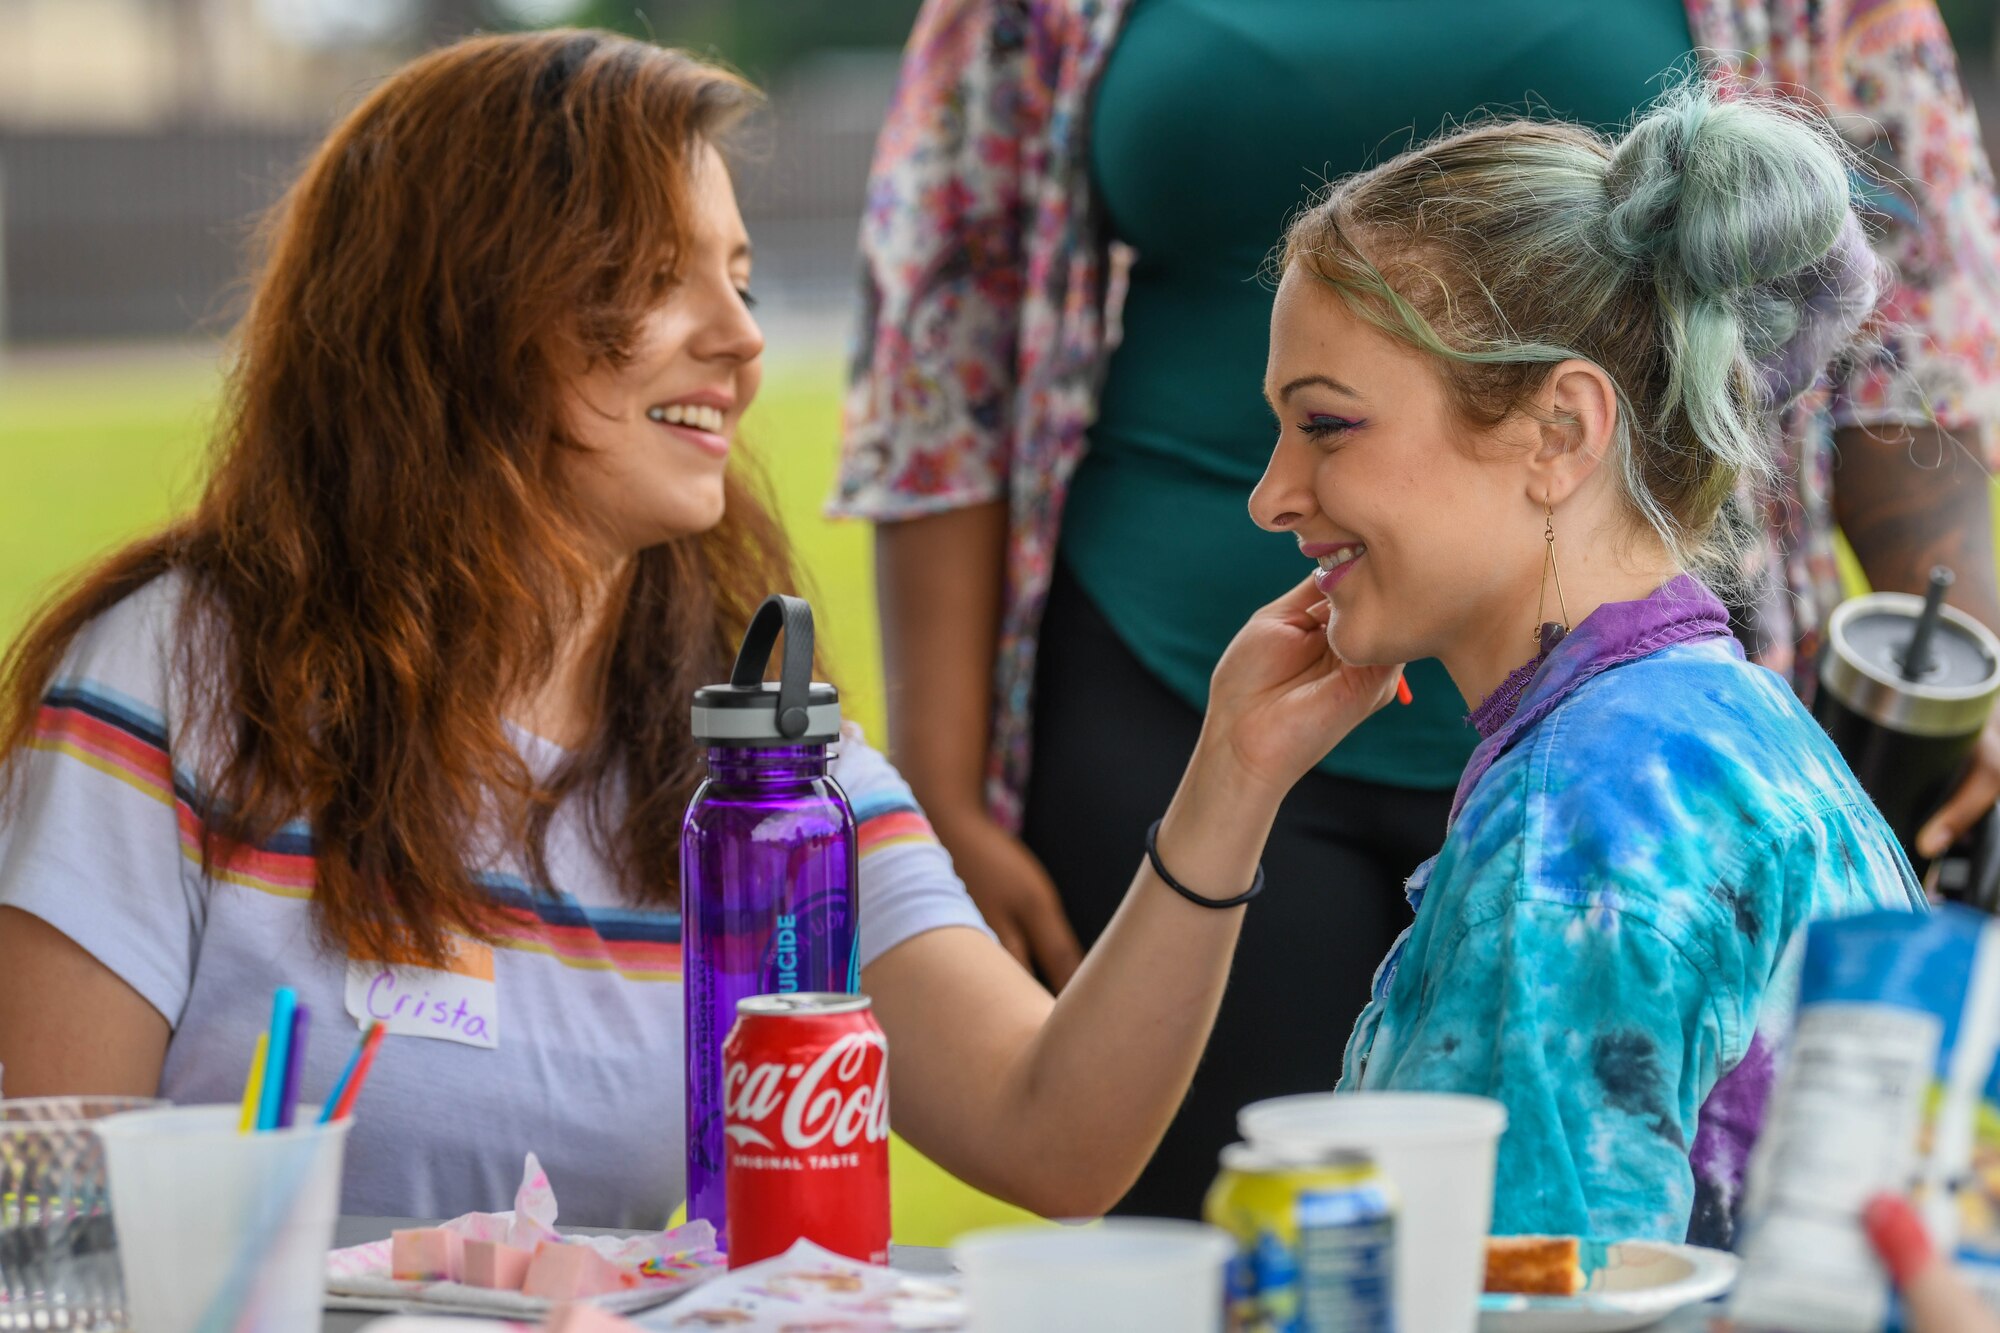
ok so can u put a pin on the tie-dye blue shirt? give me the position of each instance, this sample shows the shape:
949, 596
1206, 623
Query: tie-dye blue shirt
1611, 928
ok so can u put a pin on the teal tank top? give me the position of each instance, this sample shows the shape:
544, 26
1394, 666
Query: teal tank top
1213, 121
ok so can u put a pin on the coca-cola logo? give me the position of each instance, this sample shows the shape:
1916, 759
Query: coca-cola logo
827, 1100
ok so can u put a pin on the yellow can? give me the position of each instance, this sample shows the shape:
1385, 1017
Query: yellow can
1315, 1240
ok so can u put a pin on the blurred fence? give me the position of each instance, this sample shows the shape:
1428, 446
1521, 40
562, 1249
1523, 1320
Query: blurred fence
122, 235
118, 235
110, 235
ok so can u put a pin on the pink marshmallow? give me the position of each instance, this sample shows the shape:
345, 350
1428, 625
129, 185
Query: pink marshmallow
488, 1263
426, 1254
562, 1272
586, 1319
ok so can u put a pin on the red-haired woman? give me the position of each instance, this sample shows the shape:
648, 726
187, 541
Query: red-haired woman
411, 683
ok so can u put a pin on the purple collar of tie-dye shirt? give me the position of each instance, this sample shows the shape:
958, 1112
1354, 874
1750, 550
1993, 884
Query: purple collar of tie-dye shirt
1681, 610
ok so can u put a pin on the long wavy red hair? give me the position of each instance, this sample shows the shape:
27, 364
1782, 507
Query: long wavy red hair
385, 555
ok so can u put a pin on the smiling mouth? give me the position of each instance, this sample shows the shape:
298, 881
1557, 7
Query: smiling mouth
1346, 555
1335, 565
695, 415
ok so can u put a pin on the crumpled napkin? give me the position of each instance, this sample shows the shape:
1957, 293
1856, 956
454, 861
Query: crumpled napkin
667, 1263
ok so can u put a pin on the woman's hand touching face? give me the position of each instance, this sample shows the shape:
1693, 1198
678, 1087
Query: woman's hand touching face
1281, 698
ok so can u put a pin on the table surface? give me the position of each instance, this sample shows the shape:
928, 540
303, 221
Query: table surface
910, 1258
361, 1230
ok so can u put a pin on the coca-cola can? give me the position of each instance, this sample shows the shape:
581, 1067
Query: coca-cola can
805, 1092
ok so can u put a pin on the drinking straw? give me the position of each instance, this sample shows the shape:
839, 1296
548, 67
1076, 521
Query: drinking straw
373, 1043
347, 1072
282, 1004
288, 1096
1403, 695
253, 1087
1917, 655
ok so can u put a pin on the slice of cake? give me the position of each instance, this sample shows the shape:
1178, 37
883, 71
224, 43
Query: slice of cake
1533, 1265
426, 1254
561, 1272
489, 1263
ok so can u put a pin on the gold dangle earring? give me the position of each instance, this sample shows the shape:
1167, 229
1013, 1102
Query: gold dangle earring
1547, 633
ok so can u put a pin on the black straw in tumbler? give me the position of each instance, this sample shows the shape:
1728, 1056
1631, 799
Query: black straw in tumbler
1917, 657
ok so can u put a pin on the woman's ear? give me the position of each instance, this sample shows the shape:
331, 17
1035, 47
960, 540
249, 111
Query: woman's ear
1579, 409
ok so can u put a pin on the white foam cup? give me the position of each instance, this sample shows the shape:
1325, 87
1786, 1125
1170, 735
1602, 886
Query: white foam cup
1437, 1150
1162, 1276
221, 1230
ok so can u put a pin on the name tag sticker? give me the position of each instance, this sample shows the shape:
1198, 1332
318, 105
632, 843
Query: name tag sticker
458, 1002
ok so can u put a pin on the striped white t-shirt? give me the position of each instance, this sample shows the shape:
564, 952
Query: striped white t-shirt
587, 1069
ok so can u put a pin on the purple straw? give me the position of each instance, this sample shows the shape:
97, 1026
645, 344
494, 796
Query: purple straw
288, 1096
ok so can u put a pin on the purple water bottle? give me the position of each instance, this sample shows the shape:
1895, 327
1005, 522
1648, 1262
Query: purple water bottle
768, 865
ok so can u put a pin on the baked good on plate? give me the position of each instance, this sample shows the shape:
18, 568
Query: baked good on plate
1533, 1265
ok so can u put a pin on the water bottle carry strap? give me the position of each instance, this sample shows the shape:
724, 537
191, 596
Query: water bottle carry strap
794, 617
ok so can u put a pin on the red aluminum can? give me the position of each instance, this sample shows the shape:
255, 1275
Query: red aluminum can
805, 1096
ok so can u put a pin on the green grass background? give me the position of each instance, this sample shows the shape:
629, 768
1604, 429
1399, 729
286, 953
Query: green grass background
98, 447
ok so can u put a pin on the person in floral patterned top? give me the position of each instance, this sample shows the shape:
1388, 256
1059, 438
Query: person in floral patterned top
1013, 206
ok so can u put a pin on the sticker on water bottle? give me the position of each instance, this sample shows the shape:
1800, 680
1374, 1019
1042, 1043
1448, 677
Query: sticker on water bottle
457, 1002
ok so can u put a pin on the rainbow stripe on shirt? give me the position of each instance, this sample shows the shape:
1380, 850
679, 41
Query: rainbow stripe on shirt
127, 742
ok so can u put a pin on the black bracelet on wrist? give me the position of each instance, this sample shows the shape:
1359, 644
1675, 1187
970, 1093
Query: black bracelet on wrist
1160, 869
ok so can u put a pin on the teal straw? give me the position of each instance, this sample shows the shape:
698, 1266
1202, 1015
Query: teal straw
279, 1057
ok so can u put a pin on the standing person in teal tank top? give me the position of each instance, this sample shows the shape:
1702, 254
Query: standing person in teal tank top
1213, 122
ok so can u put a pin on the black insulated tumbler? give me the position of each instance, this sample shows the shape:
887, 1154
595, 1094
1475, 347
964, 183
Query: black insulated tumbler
1905, 687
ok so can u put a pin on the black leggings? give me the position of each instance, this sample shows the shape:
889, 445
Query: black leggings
1110, 744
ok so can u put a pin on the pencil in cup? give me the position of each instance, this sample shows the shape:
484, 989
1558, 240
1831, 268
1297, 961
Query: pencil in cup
253, 1088
340, 1102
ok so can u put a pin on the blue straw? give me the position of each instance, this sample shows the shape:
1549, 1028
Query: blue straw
278, 1059
340, 1084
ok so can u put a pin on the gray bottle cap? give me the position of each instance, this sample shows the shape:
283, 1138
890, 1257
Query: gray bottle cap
749, 715
1862, 665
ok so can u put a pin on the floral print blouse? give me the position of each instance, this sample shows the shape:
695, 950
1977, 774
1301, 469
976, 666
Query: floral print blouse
990, 289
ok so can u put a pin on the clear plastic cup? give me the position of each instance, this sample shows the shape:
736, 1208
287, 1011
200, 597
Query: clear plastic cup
1438, 1150
224, 1232
1164, 1277
58, 1248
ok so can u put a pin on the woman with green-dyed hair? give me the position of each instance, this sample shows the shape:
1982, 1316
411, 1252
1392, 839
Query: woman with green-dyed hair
1518, 373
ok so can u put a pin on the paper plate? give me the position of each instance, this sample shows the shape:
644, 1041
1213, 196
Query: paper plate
1641, 1283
